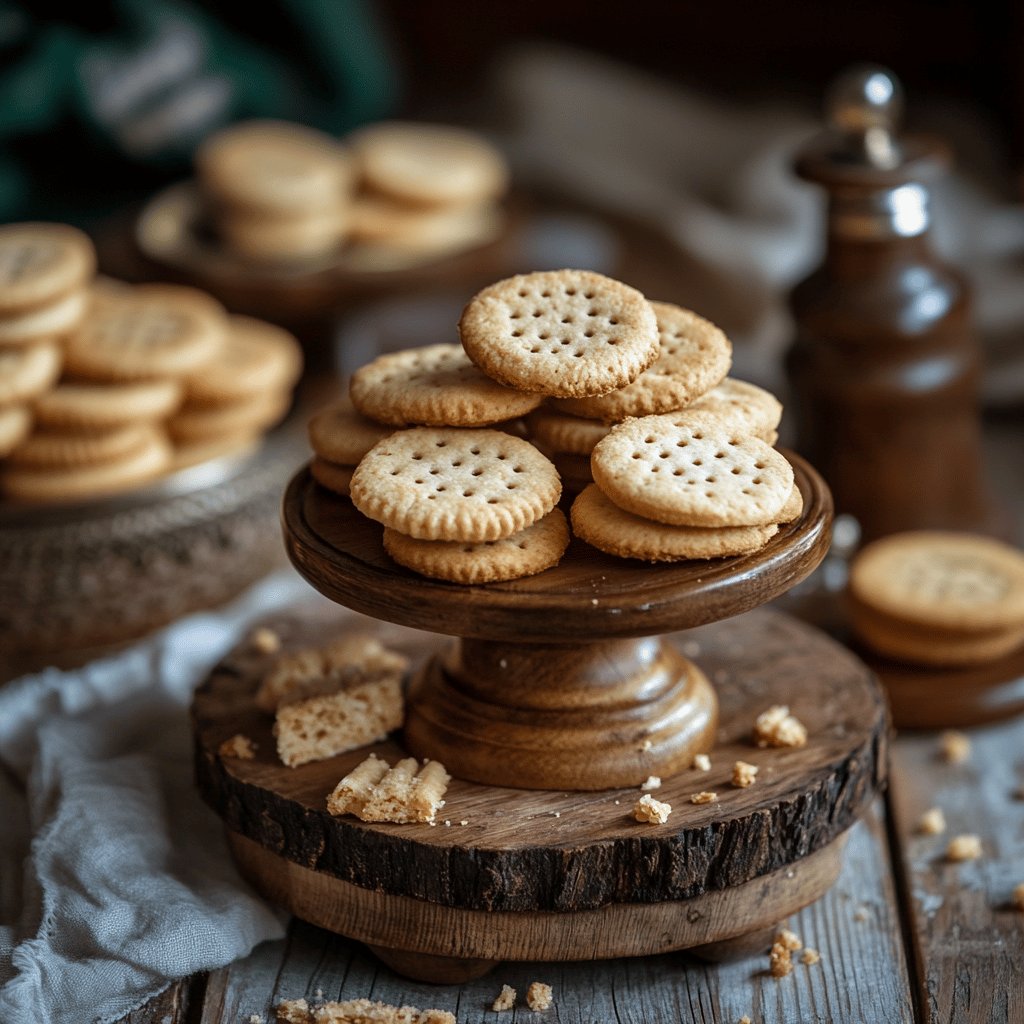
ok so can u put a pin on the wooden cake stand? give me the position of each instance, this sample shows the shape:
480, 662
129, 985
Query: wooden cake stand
560, 698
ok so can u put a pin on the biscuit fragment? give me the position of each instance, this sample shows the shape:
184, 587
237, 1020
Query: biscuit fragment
506, 999
654, 812
238, 746
566, 333
964, 847
686, 469
932, 822
374, 791
954, 746
539, 996
704, 797
447, 484
357, 1011
694, 356
744, 774
538, 547
436, 386
776, 727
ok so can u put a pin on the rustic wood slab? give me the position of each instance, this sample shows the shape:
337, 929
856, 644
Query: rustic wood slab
862, 975
968, 940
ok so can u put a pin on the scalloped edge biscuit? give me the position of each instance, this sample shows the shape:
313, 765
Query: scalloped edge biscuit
695, 356
434, 386
449, 484
564, 333
540, 546
689, 469
744, 406
597, 520
560, 432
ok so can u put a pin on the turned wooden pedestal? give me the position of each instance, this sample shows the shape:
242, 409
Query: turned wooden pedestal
561, 696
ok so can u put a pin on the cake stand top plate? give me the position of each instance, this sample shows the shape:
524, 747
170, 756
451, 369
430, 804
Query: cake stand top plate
588, 596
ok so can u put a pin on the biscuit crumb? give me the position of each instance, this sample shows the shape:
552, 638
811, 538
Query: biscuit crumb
238, 746
745, 1020
964, 847
255, 1018
464, 822
789, 940
954, 747
702, 762
810, 957
652, 811
264, 640
538, 996
744, 774
506, 1000
704, 797
932, 822
646, 745
776, 727
861, 914
653, 782
780, 961
363, 1011
1017, 899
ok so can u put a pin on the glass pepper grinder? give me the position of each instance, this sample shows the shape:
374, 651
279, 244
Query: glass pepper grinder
885, 366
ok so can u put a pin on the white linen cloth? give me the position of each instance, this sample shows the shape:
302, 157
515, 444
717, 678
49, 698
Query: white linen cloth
114, 876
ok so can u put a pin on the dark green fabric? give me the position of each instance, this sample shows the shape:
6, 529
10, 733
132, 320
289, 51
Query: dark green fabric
101, 106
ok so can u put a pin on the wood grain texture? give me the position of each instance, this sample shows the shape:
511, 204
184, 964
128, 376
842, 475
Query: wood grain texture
468, 942
589, 595
524, 850
168, 1007
969, 942
567, 716
862, 975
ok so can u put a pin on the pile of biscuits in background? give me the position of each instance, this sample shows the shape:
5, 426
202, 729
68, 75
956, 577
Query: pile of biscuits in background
392, 193
451, 446
106, 386
936, 599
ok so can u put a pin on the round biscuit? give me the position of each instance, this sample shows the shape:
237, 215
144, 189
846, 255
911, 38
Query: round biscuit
688, 469
694, 356
602, 524
15, 426
343, 436
538, 547
434, 386
921, 645
744, 406
273, 239
429, 164
560, 432
276, 167
332, 476
41, 262
256, 357
564, 333
942, 580
53, 320
88, 406
378, 221
152, 331
188, 454
52, 485
196, 423
27, 372
450, 484
43, 449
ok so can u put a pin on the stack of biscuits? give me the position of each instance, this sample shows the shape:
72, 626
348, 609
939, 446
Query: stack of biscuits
425, 190
276, 191
633, 390
143, 380
940, 600
394, 192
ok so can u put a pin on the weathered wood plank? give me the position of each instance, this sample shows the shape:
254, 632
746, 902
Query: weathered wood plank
969, 941
862, 975
169, 1007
